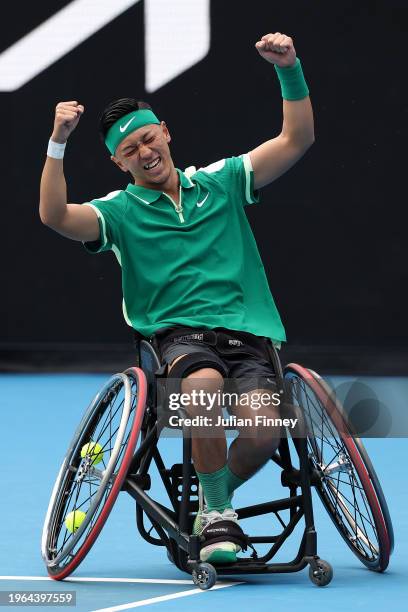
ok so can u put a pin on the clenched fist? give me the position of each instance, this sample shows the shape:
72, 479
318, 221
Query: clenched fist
67, 115
277, 49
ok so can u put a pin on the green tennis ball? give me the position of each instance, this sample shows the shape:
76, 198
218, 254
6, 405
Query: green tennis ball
94, 450
74, 520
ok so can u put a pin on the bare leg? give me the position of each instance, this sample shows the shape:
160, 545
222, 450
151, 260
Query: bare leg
254, 445
209, 452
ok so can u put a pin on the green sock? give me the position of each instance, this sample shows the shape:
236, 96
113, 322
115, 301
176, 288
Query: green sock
215, 489
233, 482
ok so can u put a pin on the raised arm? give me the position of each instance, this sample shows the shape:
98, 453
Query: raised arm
71, 220
274, 157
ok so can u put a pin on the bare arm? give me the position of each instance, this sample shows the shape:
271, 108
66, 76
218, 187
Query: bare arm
274, 157
71, 220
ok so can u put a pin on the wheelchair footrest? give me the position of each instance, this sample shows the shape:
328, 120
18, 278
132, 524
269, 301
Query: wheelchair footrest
264, 539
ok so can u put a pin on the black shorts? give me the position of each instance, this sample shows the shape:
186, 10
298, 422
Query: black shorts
243, 356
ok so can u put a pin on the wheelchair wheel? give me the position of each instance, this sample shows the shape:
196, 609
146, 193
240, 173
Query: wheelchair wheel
91, 476
347, 483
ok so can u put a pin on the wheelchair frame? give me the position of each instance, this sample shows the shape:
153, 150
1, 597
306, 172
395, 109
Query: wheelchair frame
369, 534
184, 549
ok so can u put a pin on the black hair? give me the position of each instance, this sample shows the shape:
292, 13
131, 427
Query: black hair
117, 109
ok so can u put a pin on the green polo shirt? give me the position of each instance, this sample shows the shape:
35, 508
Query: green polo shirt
196, 264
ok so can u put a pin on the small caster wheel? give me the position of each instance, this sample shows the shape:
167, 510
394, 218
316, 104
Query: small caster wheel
321, 572
204, 576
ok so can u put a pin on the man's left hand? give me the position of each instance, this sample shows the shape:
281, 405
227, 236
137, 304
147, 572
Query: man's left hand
277, 49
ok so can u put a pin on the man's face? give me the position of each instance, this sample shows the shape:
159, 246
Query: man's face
146, 155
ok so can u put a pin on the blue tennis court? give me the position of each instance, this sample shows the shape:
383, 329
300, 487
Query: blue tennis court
39, 414
235, 171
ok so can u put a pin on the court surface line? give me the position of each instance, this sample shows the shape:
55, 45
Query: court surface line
82, 579
152, 600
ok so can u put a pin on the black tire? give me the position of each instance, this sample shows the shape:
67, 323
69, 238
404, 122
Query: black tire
204, 576
322, 574
355, 502
113, 420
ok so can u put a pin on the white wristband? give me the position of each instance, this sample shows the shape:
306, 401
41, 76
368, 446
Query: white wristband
56, 149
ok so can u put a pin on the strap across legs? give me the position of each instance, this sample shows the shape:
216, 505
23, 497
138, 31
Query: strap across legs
171, 384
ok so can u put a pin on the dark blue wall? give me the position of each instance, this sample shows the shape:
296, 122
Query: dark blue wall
332, 231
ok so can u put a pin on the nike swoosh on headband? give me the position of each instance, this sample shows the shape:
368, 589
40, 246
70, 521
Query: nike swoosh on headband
123, 128
199, 204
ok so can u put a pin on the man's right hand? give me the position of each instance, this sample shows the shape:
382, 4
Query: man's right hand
67, 116
71, 220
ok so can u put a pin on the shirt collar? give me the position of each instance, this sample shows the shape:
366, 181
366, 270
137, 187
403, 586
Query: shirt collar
151, 195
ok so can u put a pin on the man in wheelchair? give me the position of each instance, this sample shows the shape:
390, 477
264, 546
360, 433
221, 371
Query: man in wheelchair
193, 281
236, 367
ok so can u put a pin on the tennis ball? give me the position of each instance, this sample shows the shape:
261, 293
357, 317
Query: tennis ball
74, 520
94, 450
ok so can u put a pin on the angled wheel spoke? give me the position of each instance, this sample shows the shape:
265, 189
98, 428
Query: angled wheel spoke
340, 481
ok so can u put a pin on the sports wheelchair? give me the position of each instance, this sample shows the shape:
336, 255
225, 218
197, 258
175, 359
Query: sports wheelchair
116, 444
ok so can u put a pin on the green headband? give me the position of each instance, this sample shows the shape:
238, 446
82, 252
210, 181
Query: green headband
126, 125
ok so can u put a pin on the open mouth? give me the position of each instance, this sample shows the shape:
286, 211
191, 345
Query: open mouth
153, 164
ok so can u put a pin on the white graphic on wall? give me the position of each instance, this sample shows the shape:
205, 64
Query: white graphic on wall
177, 36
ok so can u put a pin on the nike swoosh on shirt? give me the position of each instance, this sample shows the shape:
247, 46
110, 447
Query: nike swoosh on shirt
123, 128
199, 204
